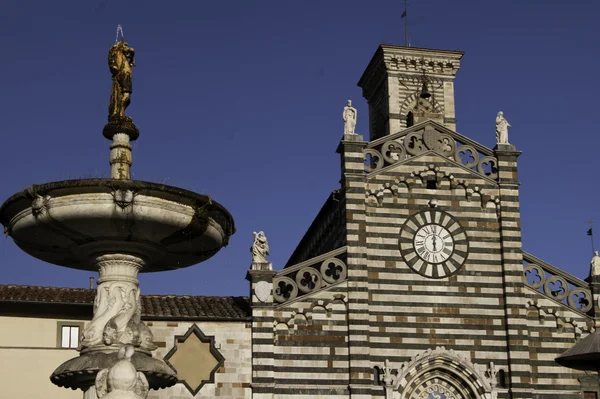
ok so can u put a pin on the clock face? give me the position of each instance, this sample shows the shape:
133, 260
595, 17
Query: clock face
433, 244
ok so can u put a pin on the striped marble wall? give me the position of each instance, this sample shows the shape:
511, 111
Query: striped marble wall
390, 325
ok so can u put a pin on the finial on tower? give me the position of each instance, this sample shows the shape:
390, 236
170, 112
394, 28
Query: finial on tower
405, 17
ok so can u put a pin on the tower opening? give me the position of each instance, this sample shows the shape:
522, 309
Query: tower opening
410, 119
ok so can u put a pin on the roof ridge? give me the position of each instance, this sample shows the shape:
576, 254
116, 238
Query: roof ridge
42, 287
188, 307
49, 287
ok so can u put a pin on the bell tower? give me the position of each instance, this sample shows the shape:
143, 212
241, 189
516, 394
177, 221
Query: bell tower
408, 85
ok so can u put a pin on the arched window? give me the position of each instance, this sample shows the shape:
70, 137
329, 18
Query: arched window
502, 378
410, 119
376, 374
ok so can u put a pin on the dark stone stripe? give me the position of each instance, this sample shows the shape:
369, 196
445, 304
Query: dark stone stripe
445, 295
313, 343
308, 391
311, 357
440, 342
312, 381
418, 305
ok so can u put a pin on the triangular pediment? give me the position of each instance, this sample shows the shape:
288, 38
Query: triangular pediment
432, 136
439, 128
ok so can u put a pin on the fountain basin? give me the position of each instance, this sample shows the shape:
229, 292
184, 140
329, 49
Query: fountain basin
80, 372
68, 223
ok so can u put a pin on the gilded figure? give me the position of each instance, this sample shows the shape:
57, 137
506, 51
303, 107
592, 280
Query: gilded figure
120, 61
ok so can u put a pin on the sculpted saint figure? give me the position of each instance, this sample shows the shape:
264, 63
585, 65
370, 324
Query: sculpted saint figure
349, 116
260, 248
120, 62
595, 264
502, 126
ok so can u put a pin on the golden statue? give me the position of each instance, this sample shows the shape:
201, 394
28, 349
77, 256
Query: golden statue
120, 61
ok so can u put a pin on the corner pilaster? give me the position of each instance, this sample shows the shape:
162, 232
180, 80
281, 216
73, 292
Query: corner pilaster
515, 316
594, 283
260, 277
353, 198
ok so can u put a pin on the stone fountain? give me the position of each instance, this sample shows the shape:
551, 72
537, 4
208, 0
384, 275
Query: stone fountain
119, 227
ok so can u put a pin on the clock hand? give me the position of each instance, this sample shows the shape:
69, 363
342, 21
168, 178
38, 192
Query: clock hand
434, 243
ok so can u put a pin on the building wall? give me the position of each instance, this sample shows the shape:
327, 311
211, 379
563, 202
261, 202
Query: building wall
232, 340
311, 345
29, 354
554, 328
410, 313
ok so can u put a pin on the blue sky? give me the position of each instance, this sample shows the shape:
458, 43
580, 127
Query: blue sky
242, 100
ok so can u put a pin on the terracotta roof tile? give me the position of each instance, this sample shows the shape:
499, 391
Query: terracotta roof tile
180, 307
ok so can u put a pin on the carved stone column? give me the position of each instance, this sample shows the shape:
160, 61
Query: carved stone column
117, 308
120, 157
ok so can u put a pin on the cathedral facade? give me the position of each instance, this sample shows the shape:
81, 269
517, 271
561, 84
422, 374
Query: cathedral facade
411, 282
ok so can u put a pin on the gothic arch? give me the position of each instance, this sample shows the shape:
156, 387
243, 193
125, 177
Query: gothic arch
411, 102
439, 383
444, 370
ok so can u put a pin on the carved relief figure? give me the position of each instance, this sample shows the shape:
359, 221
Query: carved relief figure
502, 126
120, 62
260, 248
122, 381
349, 116
117, 318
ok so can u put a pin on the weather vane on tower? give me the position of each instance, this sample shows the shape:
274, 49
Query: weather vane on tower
405, 17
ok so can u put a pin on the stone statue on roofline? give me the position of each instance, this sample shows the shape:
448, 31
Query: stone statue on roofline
595, 265
122, 380
349, 116
260, 248
502, 126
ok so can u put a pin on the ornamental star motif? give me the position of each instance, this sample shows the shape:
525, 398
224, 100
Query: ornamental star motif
195, 359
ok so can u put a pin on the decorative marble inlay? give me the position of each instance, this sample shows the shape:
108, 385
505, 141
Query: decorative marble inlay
262, 290
309, 276
430, 137
195, 359
556, 284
